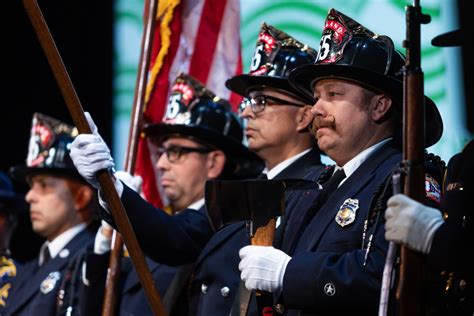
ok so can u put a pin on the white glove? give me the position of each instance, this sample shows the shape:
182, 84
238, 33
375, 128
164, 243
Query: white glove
133, 182
411, 223
262, 268
90, 153
103, 238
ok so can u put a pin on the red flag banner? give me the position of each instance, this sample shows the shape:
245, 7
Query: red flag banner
197, 37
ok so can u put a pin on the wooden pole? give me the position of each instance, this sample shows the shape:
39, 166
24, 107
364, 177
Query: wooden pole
136, 122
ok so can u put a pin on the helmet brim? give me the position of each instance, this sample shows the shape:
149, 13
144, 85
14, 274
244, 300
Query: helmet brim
22, 173
244, 84
237, 151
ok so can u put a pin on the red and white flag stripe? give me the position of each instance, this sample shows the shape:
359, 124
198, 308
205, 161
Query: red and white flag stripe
197, 37
209, 46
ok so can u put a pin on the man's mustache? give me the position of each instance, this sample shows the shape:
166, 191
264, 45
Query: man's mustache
320, 122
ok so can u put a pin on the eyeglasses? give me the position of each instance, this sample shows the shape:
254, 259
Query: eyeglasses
259, 102
174, 153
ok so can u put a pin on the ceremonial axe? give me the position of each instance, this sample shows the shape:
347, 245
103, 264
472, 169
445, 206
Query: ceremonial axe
259, 202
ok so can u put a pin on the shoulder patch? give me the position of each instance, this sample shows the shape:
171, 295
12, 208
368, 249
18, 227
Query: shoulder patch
432, 189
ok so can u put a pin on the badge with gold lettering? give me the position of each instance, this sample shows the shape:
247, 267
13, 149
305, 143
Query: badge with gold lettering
49, 283
347, 212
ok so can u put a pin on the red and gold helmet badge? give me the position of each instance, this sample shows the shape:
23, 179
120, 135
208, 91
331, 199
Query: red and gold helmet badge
269, 43
185, 92
338, 31
265, 51
45, 132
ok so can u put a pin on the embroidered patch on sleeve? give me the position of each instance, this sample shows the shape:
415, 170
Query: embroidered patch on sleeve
432, 189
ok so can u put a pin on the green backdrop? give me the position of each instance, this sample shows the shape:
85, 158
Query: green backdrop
304, 21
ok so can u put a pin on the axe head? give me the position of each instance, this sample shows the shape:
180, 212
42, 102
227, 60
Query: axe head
257, 201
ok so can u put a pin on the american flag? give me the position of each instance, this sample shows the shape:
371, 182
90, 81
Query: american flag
197, 37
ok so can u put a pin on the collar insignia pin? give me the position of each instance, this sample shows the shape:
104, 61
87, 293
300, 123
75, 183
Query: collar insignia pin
64, 253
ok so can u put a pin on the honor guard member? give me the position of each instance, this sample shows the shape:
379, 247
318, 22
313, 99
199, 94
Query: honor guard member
199, 139
332, 261
277, 119
62, 205
131, 299
11, 204
277, 116
445, 238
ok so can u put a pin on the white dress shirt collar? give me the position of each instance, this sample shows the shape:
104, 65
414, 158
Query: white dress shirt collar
283, 165
351, 166
58, 243
197, 205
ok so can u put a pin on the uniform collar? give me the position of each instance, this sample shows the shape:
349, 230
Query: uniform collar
58, 243
197, 205
358, 160
282, 165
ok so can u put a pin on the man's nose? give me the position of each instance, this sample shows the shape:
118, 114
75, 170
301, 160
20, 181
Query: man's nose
318, 108
247, 112
29, 197
163, 162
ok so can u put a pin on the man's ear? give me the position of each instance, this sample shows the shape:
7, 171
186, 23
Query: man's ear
83, 196
304, 118
215, 163
382, 105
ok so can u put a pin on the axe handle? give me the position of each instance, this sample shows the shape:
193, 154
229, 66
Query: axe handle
264, 237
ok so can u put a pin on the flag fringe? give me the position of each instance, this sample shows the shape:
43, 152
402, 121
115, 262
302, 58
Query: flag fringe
165, 14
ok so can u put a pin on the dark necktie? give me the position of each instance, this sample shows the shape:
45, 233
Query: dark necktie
331, 185
46, 255
262, 176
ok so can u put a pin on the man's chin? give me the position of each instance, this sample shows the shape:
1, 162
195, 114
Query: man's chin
40, 231
325, 144
170, 196
253, 145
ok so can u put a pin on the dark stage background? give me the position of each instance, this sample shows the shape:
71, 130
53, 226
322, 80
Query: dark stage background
83, 33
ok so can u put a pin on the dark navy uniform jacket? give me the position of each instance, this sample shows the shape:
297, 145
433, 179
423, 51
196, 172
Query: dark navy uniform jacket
327, 272
169, 239
451, 248
35, 289
179, 239
132, 299
216, 275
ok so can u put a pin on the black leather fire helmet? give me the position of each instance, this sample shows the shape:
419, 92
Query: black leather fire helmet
349, 51
48, 149
276, 54
195, 112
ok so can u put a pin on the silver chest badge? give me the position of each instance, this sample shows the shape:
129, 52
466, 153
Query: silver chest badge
49, 283
347, 212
